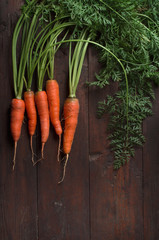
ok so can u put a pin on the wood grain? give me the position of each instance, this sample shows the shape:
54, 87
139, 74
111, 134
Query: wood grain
115, 196
18, 191
64, 208
94, 201
151, 176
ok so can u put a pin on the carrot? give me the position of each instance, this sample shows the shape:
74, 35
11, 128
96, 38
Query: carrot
32, 116
71, 105
17, 115
52, 89
71, 111
24, 34
43, 111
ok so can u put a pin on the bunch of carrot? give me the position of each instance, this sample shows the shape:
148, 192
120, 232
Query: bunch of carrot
18, 105
38, 50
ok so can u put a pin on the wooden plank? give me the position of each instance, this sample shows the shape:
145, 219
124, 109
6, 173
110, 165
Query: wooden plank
151, 176
64, 209
117, 201
18, 195
115, 196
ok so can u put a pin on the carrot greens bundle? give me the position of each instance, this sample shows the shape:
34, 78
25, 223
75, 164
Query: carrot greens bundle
123, 32
129, 29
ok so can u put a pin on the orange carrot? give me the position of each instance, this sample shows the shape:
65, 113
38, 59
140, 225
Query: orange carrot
32, 116
17, 116
71, 106
71, 110
52, 89
43, 111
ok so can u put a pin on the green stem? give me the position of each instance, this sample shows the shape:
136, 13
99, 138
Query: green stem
51, 62
25, 52
52, 56
70, 69
40, 39
143, 15
18, 27
14, 56
80, 67
42, 65
76, 62
55, 32
75, 66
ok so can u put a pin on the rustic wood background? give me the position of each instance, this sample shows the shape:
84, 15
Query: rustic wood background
94, 202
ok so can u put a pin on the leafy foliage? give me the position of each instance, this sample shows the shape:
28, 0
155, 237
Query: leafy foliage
129, 29
139, 108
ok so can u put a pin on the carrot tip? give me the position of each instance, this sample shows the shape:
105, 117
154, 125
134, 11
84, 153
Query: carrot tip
31, 146
32, 151
58, 153
42, 155
15, 150
62, 159
42, 151
64, 169
39, 160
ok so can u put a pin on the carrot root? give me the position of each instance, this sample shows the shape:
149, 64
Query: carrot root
31, 146
64, 169
42, 151
42, 155
59, 146
15, 150
39, 160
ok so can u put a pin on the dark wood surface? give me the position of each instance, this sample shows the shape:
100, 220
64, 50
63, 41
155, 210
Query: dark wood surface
151, 174
94, 202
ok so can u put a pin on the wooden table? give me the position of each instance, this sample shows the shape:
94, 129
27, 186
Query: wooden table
94, 202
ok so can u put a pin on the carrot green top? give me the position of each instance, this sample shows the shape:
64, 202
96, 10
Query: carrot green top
29, 29
76, 63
